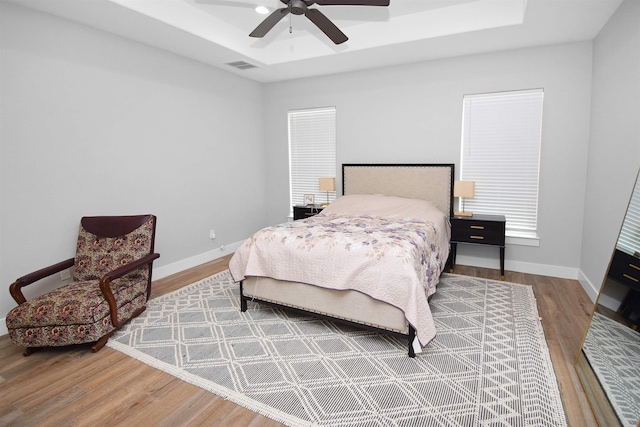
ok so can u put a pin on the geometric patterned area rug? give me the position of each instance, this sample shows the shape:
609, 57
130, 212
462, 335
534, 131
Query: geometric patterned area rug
488, 364
613, 351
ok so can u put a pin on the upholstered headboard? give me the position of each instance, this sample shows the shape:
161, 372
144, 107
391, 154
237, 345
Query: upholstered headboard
432, 182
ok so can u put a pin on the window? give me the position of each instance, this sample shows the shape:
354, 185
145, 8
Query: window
312, 152
501, 135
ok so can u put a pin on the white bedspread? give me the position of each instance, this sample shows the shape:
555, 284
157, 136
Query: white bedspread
390, 248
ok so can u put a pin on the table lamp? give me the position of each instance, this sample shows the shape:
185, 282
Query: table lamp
463, 189
327, 184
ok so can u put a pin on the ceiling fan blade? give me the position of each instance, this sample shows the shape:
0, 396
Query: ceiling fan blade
269, 22
352, 2
326, 26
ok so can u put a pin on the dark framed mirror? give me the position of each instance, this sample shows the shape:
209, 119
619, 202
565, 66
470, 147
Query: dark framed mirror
608, 364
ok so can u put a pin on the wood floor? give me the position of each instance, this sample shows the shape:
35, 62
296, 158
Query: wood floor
74, 387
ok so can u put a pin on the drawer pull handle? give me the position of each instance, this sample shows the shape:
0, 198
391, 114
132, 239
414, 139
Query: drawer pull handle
477, 237
634, 266
477, 227
630, 278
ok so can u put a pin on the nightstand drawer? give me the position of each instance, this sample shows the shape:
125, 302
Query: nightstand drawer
477, 231
625, 269
302, 212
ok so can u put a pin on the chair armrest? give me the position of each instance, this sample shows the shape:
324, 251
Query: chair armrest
16, 288
105, 282
127, 268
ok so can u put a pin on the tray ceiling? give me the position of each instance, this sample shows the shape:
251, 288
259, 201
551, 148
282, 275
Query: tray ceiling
216, 31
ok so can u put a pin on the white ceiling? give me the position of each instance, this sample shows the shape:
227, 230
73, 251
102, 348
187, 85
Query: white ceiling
216, 31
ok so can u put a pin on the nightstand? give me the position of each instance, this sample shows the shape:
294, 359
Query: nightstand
625, 269
478, 229
302, 211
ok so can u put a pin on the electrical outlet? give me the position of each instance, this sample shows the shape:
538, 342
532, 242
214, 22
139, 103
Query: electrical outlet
212, 234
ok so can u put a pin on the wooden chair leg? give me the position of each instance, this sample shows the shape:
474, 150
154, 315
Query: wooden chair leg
28, 351
102, 341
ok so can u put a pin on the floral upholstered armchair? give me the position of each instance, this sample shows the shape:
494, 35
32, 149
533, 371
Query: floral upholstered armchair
111, 285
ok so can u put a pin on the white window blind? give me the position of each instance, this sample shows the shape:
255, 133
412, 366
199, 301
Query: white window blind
629, 239
501, 137
312, 152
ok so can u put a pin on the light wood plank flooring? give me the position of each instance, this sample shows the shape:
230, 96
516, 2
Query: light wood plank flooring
74, 387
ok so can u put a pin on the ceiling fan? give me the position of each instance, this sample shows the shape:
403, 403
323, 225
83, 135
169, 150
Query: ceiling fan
301, 7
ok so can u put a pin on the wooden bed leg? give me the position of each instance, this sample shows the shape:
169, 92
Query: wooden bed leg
412, 336
243, 299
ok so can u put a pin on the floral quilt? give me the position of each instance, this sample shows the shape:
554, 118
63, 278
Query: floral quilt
392, 259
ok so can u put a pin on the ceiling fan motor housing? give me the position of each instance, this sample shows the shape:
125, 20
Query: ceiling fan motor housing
297, 7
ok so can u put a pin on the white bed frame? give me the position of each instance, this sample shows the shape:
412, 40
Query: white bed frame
432, 182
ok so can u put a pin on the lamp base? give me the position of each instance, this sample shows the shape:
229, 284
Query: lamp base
463, 214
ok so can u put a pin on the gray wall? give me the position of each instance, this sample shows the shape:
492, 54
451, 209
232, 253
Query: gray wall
93, 124
614, 149
413, 113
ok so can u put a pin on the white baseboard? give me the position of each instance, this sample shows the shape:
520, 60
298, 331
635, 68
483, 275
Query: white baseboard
520, 266
609, 302
589, 287
531, 268
178, 266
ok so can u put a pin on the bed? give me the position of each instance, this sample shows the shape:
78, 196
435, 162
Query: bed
371, 259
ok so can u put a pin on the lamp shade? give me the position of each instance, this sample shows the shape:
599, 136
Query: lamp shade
464, 189
327, 184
